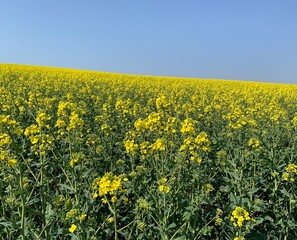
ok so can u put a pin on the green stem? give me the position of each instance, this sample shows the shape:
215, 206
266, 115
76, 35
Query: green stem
164, 217
178, 230
115, 222
42, 194
23, 210
131, 231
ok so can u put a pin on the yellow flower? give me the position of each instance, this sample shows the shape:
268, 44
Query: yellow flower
188, 126
110, 220
60, 123
239, 215
31, 130
125, 200
73, 161
240, 221
12, 162
131, 147
254, 143
203, 141
108, 184
158, 145
162, 102
164, 188
34, 139
41, 119
75, 122
114, 199
4, 139
18, 131
292, 168
286, 176
275, 174
161, 188
72, 228
83, 217
290, 173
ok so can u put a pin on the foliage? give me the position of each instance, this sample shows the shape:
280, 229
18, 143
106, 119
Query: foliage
88, 155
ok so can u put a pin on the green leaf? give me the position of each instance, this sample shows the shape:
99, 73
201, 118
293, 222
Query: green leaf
187, 216
181, 238
234, 199
256, 236
285, 192
268, 218
252, 191
66, 187
49, 212
6, 224
172, 225
232, 174
32, 212
18, 192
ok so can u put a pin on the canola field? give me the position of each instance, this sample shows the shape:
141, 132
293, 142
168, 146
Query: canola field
90, 155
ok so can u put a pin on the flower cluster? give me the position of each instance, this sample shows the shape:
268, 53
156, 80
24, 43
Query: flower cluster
239, 216
131, 147
290, 173
188, 126
163, 185
195, 146
109, 184
254, 143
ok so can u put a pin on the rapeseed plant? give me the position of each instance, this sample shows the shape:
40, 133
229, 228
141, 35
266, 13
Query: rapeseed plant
192, 149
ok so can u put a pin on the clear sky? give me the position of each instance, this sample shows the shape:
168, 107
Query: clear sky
252, 40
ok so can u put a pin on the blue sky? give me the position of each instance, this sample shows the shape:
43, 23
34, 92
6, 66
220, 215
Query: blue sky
253, 40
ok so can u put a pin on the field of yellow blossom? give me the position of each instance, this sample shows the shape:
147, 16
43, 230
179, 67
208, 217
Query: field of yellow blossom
91, 155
